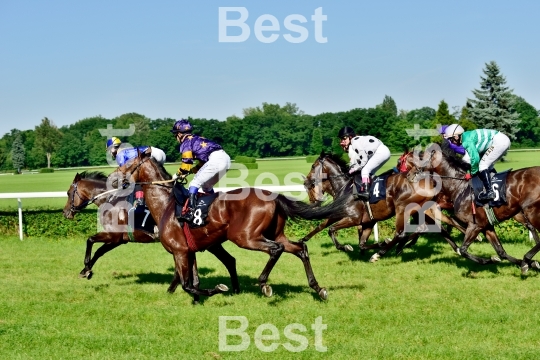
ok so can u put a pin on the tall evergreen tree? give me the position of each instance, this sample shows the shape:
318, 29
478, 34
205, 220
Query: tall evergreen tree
443, 116
493, 106
17, 153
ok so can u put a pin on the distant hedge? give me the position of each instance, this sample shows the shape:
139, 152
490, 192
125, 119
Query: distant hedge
52, 224
46, 170
245, 159
311, 158
237, 166
49, 223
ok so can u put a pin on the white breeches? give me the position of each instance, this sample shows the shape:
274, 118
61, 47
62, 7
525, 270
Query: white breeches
377, 160
214, 169
499, 145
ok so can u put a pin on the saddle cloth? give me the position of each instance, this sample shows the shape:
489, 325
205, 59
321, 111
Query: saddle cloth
201, 209
498, 184
377, 189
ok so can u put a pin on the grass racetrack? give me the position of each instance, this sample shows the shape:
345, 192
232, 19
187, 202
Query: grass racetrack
427, 303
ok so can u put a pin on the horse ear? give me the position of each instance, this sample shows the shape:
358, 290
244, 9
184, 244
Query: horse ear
77, 178
322, 155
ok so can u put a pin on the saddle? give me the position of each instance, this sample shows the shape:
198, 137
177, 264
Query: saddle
377, 189
139, 216
498, 184
202, 207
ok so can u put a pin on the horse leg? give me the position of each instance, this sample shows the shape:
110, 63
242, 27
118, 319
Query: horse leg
300, 250
341, 224
520, 217
494, 241
90, 260
274, 249
470, 234
527, 259
184, 263
174, 283
230, 263
318, 229
195, 278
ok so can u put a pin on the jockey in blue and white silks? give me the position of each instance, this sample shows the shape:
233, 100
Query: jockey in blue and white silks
213, 162
484, 147
123, 155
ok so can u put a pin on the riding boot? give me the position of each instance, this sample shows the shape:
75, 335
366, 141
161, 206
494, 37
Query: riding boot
189, 215
487, 193
364, 191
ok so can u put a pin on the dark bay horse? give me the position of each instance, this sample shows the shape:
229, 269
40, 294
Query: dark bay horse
522, 194
329, 175
253, 219
87, 188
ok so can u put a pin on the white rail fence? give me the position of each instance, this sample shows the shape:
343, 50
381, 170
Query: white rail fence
62, 194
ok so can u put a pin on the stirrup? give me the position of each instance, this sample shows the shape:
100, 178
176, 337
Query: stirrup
486, 195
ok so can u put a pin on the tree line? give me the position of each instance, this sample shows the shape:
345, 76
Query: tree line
274, 130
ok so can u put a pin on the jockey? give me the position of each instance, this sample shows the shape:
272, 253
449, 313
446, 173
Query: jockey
213, 162
457, 148
345, 135
368, 154
123, 155
484, 146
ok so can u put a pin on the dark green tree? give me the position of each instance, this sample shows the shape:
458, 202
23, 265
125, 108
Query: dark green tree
493, 105
528, 134
47, 138
389, 105
442, 116
17, 153
316, 142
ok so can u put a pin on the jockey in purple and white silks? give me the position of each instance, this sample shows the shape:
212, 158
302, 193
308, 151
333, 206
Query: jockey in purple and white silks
213, 162
368, 154
484, 147
123, 155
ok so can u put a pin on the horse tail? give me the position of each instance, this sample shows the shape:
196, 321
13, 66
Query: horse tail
296, 209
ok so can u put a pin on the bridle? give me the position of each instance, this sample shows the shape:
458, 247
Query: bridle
319, 179
422, 170
85, 203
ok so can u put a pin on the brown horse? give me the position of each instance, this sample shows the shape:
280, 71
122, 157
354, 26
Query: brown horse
251, 218
88, 188
522, 194
329, 175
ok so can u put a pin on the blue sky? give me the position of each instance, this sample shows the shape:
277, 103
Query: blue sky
69, 60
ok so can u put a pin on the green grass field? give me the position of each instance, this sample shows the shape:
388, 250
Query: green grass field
272, 172
427, 303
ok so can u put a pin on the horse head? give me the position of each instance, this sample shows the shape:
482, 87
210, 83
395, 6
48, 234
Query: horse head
328, 175
82, 190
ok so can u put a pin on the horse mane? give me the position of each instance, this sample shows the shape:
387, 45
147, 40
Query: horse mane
344, 166
452, 158
93, 175
162, 170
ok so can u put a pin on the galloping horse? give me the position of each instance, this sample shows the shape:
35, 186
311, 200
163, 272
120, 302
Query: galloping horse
251, 218
329, 175
86, 189
522, 194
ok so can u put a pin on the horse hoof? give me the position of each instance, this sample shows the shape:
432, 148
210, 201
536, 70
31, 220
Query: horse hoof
374, 258
323, 294
535, 265
348, 248
458, 252
267, 290
222, 287
524, 269
495, 259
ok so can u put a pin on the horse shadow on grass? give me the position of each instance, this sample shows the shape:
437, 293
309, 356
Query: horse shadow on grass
248, 284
